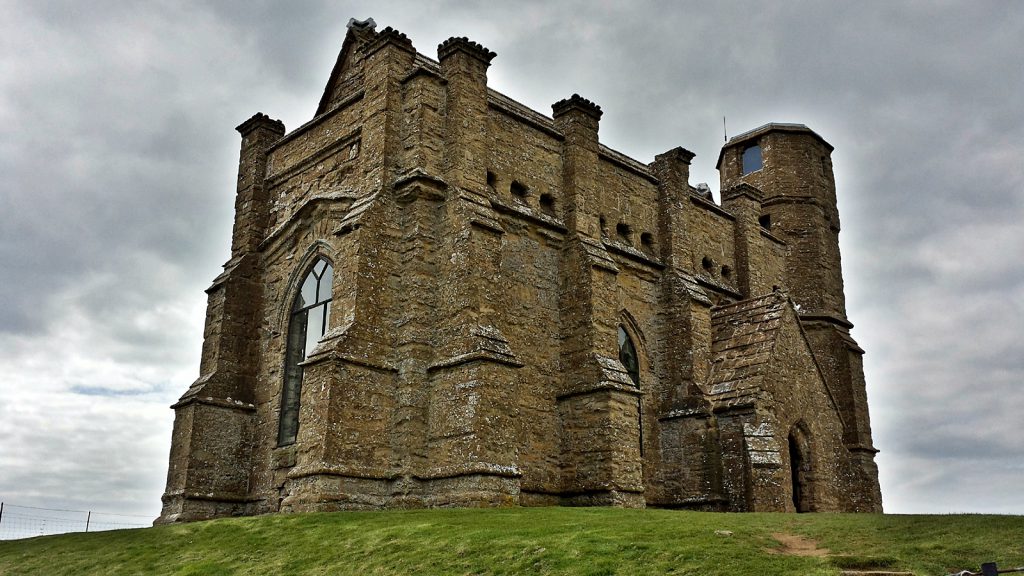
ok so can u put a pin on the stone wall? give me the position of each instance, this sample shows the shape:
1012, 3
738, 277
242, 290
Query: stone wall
486, 257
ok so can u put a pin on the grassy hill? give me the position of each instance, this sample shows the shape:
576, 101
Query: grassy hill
532, 541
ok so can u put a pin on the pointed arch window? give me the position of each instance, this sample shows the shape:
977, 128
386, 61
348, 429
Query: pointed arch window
631, 362
310, 316
628, 357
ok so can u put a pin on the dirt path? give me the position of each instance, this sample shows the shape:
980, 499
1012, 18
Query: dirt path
794, 545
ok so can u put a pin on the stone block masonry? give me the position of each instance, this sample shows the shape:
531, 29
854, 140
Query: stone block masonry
437, 296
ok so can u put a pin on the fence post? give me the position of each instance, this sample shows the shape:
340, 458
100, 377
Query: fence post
989, 569
87, 518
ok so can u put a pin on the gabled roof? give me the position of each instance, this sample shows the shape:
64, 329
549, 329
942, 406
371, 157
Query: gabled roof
745, 337
743, 343
348, 68
358, 32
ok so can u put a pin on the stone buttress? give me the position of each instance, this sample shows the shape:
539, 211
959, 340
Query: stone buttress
515, 314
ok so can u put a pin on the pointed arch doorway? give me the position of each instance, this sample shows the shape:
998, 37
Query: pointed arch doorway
800, 469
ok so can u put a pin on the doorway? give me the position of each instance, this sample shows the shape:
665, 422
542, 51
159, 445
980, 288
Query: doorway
800, 470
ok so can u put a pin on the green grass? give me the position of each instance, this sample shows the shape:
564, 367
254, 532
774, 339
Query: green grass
585, 541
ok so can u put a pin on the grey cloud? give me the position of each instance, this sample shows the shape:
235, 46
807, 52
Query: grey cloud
118, 161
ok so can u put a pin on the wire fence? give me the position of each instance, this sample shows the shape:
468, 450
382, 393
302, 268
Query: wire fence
29, 521
988, 569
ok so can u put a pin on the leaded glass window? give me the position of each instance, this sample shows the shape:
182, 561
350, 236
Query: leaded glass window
628, 357
310, 316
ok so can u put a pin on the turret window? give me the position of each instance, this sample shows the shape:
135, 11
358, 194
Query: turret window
751, 159
310, 316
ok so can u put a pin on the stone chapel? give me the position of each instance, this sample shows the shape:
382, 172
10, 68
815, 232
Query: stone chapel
437, 296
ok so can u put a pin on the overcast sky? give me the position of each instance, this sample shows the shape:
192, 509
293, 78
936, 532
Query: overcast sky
118, 158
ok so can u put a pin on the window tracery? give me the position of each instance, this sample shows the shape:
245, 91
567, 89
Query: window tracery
309, 318
628, 357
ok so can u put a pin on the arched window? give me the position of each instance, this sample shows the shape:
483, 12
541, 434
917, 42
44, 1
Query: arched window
628, 357
631, 362
311, 313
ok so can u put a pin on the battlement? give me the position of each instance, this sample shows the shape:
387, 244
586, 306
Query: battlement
465, 45
576, 102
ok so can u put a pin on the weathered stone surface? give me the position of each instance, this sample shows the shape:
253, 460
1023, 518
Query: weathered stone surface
488, 263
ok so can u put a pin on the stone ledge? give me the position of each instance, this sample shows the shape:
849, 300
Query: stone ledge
528, 214
470, 469
632, 253
478, 356
742, 189
417, 184
600, 387
209, 497
771, 237
711, 206
344, 471
320, 357
278, 177
424, 71
228, 403
701, 411
626, 163
518, 111
713, 501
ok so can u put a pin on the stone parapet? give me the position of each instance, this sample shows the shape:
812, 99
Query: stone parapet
388, 37
576, 103
260, 120
464, 45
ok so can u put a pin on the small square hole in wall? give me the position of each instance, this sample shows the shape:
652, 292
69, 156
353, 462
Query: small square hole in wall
647, 242
604, 226
547, 204
624, 231
518, 191
707, 264
765, 221
726, 272
491, 179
